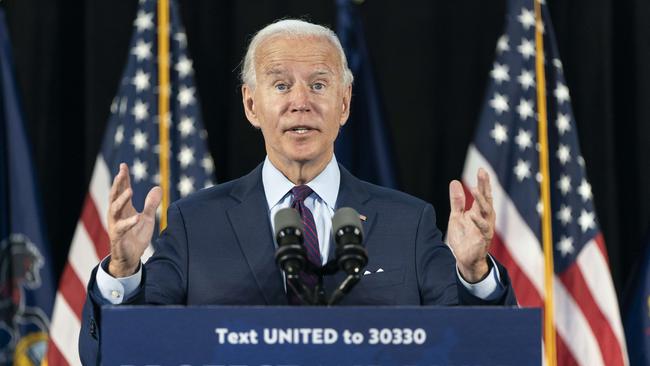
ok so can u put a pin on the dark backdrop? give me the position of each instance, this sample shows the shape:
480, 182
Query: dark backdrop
432, 60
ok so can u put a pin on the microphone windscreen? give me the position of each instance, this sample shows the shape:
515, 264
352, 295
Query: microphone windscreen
346, 216
285, 218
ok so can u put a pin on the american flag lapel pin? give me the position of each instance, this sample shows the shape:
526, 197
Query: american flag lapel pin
363, 217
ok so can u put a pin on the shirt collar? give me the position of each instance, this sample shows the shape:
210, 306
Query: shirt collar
326, 184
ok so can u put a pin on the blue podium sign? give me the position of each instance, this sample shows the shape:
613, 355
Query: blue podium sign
219, 335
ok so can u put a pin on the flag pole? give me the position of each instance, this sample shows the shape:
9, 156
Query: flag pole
163, 106
545, 187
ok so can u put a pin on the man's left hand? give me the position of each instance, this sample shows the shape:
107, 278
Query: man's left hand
470, 231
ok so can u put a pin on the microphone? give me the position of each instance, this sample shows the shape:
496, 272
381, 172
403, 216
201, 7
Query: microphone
351, 256
348, 235
290, 255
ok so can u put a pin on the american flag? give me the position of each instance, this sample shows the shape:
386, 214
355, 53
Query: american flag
587, 320
132, 137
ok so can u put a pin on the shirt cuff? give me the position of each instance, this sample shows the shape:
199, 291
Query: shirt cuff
114, 290
490, 288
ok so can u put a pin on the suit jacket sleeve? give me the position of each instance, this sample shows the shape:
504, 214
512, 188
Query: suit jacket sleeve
166, 271
436, 270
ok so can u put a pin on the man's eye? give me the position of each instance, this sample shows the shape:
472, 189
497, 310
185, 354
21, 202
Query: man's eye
318, 86
281, 87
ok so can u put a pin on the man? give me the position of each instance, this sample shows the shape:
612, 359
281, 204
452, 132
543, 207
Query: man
218, 246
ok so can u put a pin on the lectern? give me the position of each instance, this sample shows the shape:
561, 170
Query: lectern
307, 335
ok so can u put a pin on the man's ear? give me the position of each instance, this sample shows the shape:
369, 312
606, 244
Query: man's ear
345, 111
249, 105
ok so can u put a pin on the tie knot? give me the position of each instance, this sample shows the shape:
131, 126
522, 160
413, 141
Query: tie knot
301, 192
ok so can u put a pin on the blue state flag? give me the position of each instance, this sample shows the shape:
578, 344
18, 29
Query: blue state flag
26, 288
364, 144
637, 315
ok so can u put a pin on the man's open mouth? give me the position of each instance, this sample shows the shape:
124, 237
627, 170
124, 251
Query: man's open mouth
300, 130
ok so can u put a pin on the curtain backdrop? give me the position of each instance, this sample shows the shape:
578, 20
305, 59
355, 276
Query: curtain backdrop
432, 60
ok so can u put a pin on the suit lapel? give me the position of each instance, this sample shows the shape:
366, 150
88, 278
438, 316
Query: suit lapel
353, 194
250, 222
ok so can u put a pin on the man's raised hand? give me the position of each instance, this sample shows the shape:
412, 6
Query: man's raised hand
129, 231
470, 231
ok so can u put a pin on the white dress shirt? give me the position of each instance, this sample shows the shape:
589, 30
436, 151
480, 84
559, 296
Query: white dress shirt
322, 203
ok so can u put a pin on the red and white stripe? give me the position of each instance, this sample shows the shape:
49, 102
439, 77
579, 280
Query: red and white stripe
587, 319
89, 244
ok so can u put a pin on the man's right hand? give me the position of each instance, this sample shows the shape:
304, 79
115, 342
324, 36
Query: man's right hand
129, 231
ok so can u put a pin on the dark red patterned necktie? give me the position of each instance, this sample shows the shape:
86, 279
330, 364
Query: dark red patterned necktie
310, 236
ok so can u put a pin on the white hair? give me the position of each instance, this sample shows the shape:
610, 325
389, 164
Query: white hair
291, 28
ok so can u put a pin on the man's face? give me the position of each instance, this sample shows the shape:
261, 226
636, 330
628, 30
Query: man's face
299, 100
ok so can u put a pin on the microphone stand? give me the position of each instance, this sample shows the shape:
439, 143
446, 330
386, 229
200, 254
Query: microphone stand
351, 256
344, 288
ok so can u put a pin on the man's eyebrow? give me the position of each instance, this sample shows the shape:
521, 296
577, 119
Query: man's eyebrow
322, 72
275, 71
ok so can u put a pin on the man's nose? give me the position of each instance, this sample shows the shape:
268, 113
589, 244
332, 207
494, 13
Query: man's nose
300, 98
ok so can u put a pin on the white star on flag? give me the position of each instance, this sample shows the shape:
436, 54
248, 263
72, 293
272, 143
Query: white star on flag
185, 185
124, 102
565, 215
140, 111
522, 170
523, 139
500, 73
564, 184
119, 135
186, 156
139, 140
526, 48
499, 103
139, 170
565, 245
526, 18
562, 123
563, 153
584, 190
557, 63
144, 21
207, 164
525, 109
141, 81
526, 79
586, 220
142, 50
499, 133
186, 126
502, 44
184, 67
561, 93
185, 96
181, 39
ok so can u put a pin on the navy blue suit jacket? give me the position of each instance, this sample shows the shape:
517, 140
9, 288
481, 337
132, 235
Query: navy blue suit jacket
218, 249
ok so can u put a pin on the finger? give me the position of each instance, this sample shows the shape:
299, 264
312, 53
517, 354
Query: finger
152, 201
117, 205
115, 185
484, 185
125, 225
481, 223
484, 207
456, 197
119, 184
126, 182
